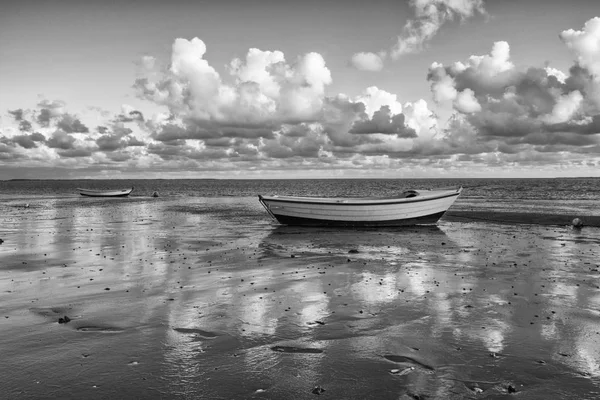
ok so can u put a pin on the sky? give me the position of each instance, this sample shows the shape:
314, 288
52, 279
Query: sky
289, 89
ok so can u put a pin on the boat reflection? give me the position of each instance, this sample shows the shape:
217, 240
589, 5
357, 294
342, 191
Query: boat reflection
361, 243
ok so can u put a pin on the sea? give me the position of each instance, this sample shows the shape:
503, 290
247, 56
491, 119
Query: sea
549, 201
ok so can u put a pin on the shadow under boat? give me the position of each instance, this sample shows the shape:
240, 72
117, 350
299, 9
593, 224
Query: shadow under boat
320, 230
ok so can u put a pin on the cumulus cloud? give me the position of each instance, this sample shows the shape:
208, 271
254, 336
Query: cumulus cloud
70, 124
17, 114
129, 114
48, 110
465, 102
7, 152
560, 76
289, 146
443, 86
430, 15
74, 153
492, 64
586, 45
265, 89
385, 123
25, 126
110, 143
374, 98
422, 119
61, 140
44, 117
564, 108
498, 107
490, 74
585, 75
367, 61
29, 141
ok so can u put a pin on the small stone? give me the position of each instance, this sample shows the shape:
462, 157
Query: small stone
318, 390
577, 223
399, 372
64, 320
353, 251
511, 389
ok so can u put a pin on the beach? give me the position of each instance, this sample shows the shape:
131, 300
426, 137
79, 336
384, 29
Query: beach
207, 298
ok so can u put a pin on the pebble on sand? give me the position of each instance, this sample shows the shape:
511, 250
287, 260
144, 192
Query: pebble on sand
577, 223
155, 194
318, 390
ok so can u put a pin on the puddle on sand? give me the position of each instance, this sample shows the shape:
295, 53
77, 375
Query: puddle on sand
102, 329
291, 349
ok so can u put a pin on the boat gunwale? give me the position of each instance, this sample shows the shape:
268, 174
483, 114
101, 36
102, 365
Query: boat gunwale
105, 191
354, 201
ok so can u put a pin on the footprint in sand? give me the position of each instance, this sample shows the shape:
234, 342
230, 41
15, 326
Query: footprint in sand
197, 332
101, 329
50, 311
410, 360
291, 349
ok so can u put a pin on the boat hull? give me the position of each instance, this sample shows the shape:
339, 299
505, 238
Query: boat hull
431, 219
421, 210
107, 193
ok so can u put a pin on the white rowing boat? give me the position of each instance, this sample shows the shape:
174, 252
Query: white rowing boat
412, 207
104, 193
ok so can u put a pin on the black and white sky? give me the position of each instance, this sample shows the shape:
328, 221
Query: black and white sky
288, 89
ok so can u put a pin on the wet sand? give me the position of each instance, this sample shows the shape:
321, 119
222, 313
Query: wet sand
206, 298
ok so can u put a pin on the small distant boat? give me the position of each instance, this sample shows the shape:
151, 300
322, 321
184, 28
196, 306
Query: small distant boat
412, 207
105, 193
